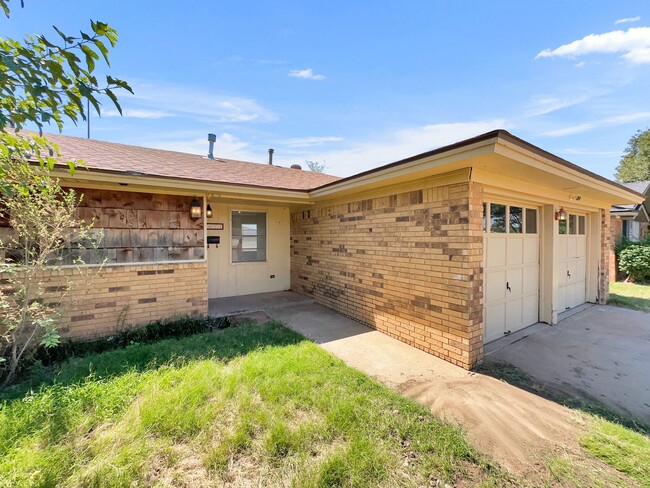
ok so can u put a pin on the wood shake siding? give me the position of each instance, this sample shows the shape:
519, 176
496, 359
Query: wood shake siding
107, 300
407, 264
139, 227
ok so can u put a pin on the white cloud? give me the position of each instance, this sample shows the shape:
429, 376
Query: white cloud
136, 113
581, 64
308, 141
627, 20
606, 122
200, 104
396, 146
541, 105
633, 43
306, 74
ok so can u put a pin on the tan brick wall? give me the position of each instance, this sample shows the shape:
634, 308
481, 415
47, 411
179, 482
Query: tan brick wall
407, 264
606, 245
616, 230
110, 299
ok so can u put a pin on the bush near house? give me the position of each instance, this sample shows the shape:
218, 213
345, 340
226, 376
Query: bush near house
635, 261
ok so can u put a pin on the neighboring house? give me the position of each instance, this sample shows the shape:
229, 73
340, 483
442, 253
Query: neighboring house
446, 250
631, 221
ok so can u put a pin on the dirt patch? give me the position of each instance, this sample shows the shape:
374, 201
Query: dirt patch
514, 427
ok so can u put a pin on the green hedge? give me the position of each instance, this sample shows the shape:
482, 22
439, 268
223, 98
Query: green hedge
152, 332
635, 261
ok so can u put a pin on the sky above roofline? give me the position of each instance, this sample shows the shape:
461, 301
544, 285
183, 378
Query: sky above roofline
355, 85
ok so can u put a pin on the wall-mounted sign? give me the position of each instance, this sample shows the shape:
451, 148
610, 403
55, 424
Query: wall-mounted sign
215, 226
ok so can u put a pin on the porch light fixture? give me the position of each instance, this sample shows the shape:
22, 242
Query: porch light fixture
560, 215
195, 209
208, 211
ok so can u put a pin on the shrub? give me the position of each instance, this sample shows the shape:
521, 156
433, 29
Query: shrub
635, 261
152, 332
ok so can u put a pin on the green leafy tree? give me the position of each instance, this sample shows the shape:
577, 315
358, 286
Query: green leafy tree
43, 233
635, 163
315, 166
46, 81
43, 82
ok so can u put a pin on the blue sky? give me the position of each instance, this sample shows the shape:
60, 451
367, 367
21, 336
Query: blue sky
358, 84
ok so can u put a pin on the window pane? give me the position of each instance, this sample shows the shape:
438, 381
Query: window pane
248, 237
516, 220
581, 225
572, 224
562, 224
531, 221
497, 218
484, 217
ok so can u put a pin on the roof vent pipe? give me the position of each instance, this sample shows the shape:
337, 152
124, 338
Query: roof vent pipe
211, 140
271, 156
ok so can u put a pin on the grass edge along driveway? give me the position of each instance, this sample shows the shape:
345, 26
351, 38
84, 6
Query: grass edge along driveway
243, 405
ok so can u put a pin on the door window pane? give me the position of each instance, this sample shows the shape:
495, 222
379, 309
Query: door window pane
248, 237
516, 220
562, 226
572, 224
497, 218
531, 221
581, 225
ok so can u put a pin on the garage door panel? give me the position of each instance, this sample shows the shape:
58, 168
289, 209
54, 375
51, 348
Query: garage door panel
531, 250
495, 285
581, 293
572, 247
495, 318
515, 251
531, 280
515, 280
530, 310
511, 261
514, 315
581, 268
496, 252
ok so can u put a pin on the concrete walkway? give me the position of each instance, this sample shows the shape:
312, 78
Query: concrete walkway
257, 302
603, 351
514, 427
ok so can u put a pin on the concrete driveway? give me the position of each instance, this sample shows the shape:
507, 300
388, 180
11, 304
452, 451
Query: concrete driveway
602, 351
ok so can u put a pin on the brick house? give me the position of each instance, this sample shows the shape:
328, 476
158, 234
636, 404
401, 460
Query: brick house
446, 250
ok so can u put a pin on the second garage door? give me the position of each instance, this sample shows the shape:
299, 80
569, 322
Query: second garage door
511, 250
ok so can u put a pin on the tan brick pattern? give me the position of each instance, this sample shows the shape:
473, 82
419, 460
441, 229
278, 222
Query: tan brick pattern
616, 230
407, 264
606, 246
107, 300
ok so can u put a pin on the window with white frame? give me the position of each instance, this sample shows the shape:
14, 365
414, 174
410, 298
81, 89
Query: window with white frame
248, 237
499, 218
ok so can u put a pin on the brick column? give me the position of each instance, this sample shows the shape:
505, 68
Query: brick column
606, 246
475, 262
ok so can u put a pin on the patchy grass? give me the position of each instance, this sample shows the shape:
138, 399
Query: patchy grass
253, 405
621, 448
630, 295
620, 442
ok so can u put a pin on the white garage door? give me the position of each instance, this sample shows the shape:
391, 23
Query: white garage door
571, 264
511, 267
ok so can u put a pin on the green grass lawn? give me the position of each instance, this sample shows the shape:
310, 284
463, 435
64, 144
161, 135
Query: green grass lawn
256, 405
630, 295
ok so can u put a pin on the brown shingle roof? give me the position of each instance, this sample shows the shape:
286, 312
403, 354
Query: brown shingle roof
114, 157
